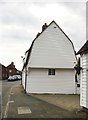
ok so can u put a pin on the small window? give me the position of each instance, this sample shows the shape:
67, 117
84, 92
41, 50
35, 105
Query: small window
51, 71
10, 71
78, 85
55, 27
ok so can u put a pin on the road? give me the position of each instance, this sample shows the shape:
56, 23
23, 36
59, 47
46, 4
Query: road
0, 96
6, 86
17, 104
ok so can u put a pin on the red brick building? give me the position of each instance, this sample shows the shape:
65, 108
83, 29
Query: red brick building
3, 72
11, 70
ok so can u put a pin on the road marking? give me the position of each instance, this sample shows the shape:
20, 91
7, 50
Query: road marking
24, 110
11, 93
6, 110
7, 105
10, 101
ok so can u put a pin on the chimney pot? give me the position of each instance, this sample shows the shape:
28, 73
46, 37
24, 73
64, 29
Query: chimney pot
44, 26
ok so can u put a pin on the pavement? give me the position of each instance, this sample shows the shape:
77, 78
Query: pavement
65, 101
21, 105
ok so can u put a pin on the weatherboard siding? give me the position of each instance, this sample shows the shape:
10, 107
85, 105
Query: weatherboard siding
52, 49
40, 82
23, 78
87, 80
84, 81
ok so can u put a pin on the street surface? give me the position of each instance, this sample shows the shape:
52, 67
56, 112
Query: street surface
6, 86
0, 96
17, 104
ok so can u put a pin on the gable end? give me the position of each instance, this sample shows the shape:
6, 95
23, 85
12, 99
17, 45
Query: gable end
29, 51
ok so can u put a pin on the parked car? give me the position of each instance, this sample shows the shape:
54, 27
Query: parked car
10, 78
19, 77
14, 77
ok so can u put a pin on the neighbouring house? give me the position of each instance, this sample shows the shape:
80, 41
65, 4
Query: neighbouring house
3, 73
49, 63
11, 70
84, 75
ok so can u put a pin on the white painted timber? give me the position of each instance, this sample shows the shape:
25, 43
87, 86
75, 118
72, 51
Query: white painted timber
40, 82
87, 80
84, 81
23, 78
52, 49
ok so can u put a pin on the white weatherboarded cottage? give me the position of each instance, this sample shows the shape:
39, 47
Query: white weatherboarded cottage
49, 63
84, 75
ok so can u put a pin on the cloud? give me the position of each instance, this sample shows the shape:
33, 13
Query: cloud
16, 33
18, 15
17, 23
69, 16
39, 2
20, 21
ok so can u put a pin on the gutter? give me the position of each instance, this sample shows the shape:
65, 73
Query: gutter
25, 80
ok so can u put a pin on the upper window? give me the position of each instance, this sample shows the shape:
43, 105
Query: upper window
10, 71
51, 71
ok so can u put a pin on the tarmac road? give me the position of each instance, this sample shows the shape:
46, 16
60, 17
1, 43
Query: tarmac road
17, 104
6, 86
0, 96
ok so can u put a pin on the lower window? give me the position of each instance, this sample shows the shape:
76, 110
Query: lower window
51, 71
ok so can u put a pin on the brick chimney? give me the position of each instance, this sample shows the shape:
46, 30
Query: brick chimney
12, 63
38, 34
44, 26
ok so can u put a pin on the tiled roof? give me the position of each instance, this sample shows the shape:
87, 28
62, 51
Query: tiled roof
84, 48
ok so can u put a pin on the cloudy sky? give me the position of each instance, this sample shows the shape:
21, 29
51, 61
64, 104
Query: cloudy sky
21, 20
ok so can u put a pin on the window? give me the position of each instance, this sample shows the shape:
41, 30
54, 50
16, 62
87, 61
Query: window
51, 71
10, 71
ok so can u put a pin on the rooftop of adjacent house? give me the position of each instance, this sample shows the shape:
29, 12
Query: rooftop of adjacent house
2, 65
84, 48
11, 65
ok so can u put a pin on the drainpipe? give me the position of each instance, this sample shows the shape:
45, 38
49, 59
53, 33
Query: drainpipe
21, 81
76, 81
25, 79
21, 77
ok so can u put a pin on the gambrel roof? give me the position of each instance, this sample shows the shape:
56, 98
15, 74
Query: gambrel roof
30, 49
84, 48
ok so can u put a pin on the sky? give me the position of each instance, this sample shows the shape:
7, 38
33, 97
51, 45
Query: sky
21, 20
